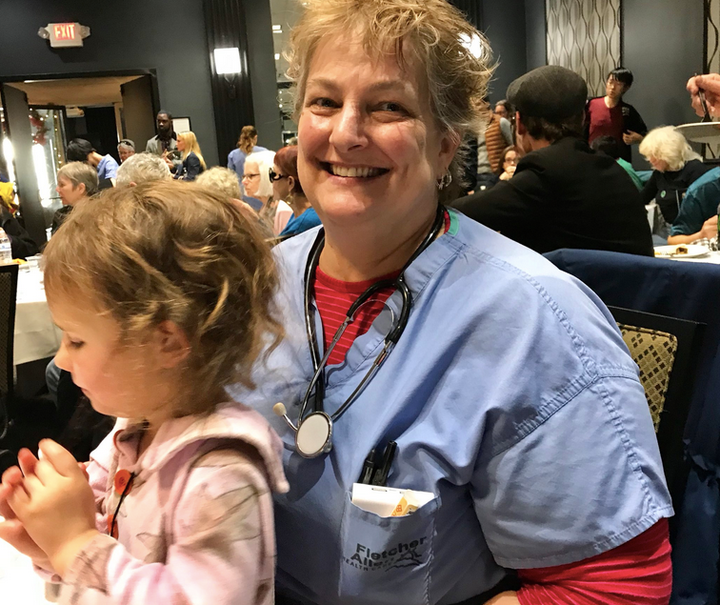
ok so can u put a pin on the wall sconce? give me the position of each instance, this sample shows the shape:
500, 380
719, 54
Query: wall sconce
227, 64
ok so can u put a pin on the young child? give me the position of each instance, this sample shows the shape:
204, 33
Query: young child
164, 294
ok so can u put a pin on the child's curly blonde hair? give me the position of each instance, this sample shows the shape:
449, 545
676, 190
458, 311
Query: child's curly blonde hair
173, 251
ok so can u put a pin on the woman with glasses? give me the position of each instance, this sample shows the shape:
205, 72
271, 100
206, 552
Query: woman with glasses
287, 187
508, 162
259, 191
126, 148
247, 144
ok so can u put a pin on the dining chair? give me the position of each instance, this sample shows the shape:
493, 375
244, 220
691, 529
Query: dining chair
688, 291
666, 350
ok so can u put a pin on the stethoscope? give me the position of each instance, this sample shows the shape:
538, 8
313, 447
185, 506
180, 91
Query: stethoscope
313, 433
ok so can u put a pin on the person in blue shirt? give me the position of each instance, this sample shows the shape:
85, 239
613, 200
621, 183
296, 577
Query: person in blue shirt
247, 144
697, 217
80, 150
504, 383
287, 187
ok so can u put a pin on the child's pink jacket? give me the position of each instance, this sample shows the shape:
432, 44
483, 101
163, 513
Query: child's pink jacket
196, 525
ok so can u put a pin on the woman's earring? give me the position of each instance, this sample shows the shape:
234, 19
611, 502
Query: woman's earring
444, 181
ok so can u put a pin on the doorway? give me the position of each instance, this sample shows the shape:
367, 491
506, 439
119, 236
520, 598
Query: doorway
103, 109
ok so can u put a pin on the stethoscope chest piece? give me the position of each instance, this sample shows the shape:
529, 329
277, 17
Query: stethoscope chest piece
314, 435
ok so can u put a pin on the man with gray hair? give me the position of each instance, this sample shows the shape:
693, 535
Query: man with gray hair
142, 168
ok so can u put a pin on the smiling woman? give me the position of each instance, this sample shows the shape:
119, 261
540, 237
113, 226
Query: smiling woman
415, 331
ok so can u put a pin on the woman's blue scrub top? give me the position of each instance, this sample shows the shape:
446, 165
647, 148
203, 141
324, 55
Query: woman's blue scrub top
511, 397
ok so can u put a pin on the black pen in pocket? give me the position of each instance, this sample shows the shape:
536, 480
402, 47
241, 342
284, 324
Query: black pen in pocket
368, 468
381, 474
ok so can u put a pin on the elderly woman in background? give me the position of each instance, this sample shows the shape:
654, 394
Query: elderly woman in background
223, 181
193, 162
287, 187
247, 144
126, 148
259, 191
426, 352
75, 181
142, 168
675, 167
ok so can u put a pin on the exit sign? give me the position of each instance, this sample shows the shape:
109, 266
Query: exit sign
64, 34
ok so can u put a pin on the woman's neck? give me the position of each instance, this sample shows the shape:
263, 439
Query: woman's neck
360, 254
298, 203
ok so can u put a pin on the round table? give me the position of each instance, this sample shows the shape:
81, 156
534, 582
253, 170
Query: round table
36, 336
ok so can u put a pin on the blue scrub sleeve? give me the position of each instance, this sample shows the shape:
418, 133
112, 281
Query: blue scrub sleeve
561, 493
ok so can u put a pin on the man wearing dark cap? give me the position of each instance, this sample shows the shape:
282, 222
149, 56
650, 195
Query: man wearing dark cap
563, 194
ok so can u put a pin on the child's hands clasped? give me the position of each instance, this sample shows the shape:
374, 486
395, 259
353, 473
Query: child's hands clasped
12, 530
55, 505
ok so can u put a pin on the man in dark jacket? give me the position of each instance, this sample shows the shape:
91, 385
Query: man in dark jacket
611, 116
563, 194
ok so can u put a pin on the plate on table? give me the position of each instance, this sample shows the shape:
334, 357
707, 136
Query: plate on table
700, 132
681, 251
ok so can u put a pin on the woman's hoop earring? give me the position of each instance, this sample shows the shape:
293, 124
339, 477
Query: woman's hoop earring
444, 181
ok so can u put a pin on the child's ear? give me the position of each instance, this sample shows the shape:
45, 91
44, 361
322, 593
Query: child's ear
172, 345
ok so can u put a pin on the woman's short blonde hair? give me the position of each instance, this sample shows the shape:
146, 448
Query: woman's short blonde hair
80, 173
431, 35
220, 181
264, 161
668, 145
169, 251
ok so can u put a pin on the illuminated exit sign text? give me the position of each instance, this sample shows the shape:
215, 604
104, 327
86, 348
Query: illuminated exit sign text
64, 34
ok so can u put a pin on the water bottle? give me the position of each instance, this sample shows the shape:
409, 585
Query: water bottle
5, 249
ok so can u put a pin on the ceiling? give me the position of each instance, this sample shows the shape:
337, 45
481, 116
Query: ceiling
74, 91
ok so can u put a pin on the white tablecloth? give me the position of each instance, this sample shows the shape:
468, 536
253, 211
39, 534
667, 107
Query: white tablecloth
36, 337
19, 584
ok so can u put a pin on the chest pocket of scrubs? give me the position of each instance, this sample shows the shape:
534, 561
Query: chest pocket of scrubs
386, 560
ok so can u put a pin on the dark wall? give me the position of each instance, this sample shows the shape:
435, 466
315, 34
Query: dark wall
663, 46
535, 33
133, 34
262, 73
504, 26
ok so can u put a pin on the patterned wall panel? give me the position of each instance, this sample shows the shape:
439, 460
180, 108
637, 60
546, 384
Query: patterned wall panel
584, 35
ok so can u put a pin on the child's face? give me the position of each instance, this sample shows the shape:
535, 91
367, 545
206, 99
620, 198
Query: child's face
119, 380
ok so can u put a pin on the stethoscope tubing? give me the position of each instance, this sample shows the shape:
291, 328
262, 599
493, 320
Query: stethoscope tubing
319, 364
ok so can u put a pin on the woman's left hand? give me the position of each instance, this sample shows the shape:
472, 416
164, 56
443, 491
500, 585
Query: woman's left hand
56, 506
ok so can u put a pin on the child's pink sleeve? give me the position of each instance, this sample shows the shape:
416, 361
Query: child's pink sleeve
222, 550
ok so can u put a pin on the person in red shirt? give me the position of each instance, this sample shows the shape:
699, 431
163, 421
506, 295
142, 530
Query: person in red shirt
611, 116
